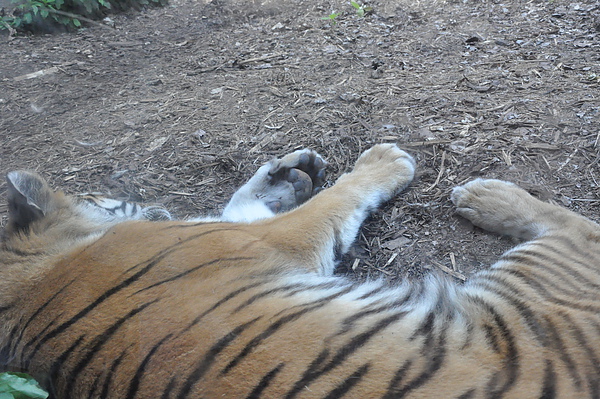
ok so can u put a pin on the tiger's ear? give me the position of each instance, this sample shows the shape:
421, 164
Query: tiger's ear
29, 198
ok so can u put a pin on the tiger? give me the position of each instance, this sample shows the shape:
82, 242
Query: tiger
246, 305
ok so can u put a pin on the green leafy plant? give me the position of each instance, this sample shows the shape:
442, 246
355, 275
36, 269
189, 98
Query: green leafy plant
69, 13
360, 10
26, 12
331, 17
20, 386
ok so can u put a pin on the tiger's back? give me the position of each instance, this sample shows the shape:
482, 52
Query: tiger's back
174, 309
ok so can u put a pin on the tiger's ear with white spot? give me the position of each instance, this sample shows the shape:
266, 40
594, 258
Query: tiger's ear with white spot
29, 199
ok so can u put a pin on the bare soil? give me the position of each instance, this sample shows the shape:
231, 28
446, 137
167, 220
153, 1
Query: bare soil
180, 105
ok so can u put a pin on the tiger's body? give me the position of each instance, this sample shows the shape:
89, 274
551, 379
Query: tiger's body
245, 310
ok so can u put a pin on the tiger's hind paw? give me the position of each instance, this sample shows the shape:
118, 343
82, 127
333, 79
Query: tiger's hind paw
294, 179
499, 206
278, 186
156, 214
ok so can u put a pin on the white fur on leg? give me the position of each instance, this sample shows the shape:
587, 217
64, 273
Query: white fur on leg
246, 211
248, 203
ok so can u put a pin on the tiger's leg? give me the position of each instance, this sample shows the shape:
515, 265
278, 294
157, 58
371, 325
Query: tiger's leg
507, 209
278, 186
322, 229
538, 305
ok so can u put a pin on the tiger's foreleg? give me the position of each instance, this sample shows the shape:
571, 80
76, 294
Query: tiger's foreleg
318, 232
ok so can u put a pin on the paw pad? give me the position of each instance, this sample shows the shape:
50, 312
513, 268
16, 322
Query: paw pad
303, 171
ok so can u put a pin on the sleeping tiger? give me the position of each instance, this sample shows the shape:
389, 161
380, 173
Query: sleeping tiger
96, 304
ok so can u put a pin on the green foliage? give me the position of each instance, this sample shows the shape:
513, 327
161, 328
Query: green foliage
68, 13
20, 386
331, 17
360, 10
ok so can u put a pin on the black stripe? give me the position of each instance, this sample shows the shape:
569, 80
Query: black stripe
348, 323
491, 338
549, 385
56, 367
317, 369
96, 345
507, 291
19, 252
293, 289
220, 302
468, 335
337, 283
5, 351
372, 292
511, 367
434, 350
264, 382
425, 328
94, 386
467, 395
191, 270
121, 207
134, 384
589, 352
397, 379
168, 389
112, 371
279, 323
268, 293
319, 301
210, 356
345, 386
5, 308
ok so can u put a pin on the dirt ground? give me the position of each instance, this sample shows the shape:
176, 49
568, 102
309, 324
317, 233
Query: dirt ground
180, 105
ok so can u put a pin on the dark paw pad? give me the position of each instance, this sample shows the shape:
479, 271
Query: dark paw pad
304, 170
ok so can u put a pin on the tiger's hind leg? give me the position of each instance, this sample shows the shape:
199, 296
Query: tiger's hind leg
278, 186
504, 208
538, 305
318, 232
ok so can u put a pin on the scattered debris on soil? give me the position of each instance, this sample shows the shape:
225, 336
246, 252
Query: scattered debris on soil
180, 105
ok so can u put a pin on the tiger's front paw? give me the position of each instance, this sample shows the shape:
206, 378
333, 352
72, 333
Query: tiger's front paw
498, 206
386, 168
